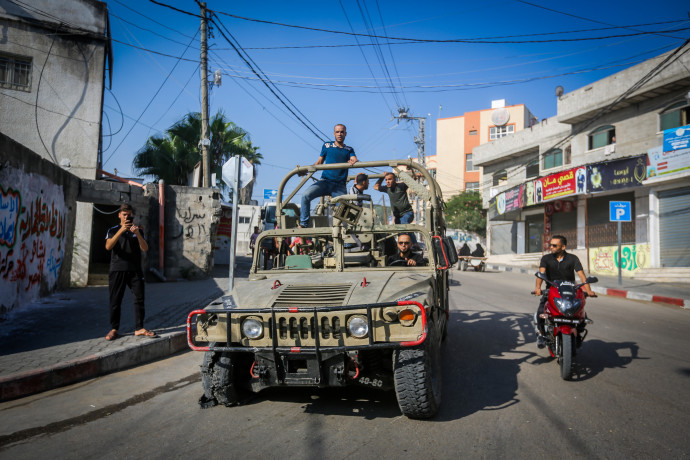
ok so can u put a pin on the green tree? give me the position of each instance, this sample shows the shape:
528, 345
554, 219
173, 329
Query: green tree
465, 212
173, 156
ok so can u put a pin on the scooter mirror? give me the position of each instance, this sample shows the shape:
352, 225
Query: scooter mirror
592, 279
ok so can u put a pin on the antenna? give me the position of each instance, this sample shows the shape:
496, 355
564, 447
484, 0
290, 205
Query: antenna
559, 91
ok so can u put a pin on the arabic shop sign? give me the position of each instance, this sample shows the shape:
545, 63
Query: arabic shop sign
612, 175
564, 183
507, 203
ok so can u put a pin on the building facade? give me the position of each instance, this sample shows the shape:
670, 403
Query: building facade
624, 138
52, 72
456, 137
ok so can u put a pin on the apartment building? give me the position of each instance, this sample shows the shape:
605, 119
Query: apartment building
456, 137
625, 138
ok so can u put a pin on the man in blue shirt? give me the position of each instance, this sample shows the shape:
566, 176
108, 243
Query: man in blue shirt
333, 181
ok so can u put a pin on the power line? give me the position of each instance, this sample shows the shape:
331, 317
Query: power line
150, 101
245, 57
454, 40
584, 18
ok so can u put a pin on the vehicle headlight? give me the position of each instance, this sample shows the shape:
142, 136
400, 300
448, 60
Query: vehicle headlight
358, 326
567, 307
252, 328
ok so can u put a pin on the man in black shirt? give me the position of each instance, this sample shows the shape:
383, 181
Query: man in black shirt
559, 265
404, 256
126, 243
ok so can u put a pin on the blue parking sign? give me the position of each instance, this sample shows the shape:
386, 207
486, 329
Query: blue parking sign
620, 211
270, 194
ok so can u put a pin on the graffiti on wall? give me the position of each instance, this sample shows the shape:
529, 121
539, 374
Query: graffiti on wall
33, 217
604, 260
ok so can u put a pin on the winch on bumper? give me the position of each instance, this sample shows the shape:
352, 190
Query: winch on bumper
313, 346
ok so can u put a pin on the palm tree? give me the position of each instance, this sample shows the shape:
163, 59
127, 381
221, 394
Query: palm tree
174, 156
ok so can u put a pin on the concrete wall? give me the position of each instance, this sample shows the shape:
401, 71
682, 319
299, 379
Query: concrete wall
67, 57
192, 215
37, 220
450, 154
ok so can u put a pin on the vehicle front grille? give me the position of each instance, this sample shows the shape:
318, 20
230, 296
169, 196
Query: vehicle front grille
301, 295
302, 327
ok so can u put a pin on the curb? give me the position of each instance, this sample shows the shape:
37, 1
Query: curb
22, 384
613, 292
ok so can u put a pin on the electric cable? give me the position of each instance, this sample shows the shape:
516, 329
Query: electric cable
149, 103
265, 82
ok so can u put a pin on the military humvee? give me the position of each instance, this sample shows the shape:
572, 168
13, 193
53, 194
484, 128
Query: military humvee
335, 312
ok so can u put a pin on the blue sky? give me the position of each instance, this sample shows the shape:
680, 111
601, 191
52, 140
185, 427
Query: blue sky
362, 86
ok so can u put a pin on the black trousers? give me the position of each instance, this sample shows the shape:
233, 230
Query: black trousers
540, 310
118, 281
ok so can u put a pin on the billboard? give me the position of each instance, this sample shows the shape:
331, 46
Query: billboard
674, 154
612, 175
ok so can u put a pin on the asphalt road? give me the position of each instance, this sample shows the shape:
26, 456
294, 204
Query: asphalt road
502, 398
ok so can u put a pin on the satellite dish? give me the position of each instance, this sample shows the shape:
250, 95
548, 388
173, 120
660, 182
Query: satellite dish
559, 91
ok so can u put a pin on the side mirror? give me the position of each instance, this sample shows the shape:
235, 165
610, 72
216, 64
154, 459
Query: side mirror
592, 279
263, 214
541, 276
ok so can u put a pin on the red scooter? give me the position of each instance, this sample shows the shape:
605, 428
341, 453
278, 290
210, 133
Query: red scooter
565, 320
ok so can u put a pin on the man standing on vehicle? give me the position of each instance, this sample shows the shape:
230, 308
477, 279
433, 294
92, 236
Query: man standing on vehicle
126, 243
333, 182
360, 185
397, 192
404, 255
559, 265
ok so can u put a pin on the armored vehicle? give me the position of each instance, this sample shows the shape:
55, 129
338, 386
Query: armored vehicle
337, 310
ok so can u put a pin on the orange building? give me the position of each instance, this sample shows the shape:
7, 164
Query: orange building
457, 136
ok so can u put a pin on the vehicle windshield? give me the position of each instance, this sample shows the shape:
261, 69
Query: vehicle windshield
318, 251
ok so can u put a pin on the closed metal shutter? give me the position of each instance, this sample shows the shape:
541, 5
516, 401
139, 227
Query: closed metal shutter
674, 222
503, 238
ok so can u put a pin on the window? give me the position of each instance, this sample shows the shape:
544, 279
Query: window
471, 186
500, 177
602, 136
675, 116
15, 72
553, 158
532, 169
245, 220
473, 132
468, 163
498, 132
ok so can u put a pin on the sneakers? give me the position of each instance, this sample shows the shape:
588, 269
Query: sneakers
541, 342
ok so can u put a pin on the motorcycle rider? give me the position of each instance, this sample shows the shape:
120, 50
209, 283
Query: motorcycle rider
559, 265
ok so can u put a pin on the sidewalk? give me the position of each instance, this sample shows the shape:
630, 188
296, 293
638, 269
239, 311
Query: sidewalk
59, 340
669, 293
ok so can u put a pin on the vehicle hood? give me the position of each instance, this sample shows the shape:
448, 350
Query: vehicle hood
332, 289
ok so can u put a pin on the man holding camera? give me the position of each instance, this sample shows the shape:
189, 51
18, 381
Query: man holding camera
126, 243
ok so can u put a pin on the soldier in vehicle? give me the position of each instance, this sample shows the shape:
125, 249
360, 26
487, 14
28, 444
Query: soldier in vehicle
404, 254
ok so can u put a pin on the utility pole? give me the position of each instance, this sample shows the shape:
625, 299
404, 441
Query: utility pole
205, 141
420, 139
421, 154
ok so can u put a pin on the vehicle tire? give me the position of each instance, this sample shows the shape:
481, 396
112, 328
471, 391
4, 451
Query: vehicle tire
217, 379
567, 356
417, 378
446, 320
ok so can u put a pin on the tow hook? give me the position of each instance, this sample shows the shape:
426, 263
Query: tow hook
258, 371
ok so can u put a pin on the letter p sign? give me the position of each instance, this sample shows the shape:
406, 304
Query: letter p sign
620, 211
